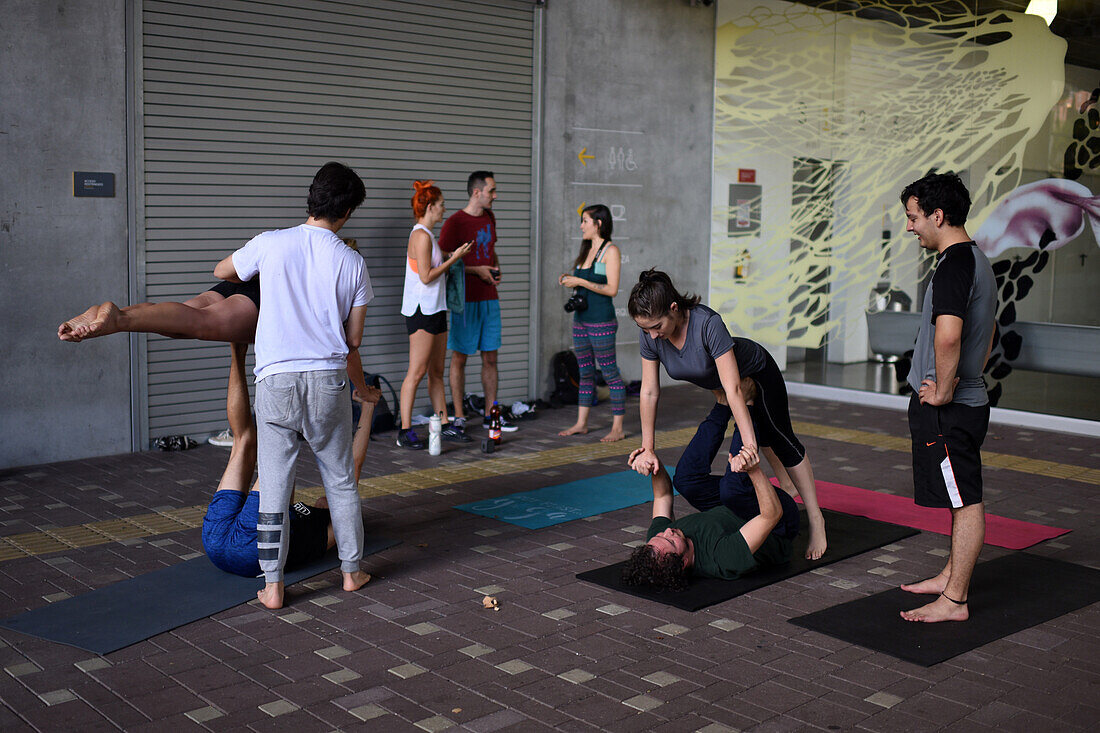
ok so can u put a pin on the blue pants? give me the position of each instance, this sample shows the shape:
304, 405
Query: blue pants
703, 490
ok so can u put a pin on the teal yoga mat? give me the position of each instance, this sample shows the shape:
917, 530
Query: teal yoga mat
113, 617
565, 502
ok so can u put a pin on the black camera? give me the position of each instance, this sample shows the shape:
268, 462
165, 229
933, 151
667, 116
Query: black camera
578, 301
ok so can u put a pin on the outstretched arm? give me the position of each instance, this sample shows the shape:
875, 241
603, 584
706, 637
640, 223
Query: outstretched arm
644, 460
757, 529
662, 494
730, 376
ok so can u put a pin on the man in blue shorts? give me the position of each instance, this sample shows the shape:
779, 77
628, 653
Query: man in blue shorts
229, 527
477, 328
949, 409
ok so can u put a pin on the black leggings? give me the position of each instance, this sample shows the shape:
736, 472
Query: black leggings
771, 414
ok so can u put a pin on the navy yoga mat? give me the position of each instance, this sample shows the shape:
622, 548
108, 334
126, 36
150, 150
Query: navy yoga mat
848, 536
118, 615
1009, 594
565, 502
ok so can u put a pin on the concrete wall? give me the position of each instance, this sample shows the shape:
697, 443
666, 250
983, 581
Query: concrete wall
636, 77
63, 86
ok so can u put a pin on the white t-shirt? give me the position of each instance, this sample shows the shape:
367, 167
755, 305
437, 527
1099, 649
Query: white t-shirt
431, 298
309, 282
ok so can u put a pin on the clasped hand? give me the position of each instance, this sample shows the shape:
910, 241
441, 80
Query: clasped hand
644, 461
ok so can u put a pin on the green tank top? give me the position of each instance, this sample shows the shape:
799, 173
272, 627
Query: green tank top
600, 307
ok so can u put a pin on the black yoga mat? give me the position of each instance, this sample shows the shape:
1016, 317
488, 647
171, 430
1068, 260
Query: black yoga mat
113, 617
848, 536
1009, 594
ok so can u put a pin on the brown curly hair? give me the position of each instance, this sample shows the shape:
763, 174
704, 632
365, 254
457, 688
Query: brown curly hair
665, 572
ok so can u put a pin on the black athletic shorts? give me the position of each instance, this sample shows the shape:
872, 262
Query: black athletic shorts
434, 324
251, 289
947, 453
308, 535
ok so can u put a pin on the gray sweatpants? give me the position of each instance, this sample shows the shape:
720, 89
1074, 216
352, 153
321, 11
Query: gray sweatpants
315, 405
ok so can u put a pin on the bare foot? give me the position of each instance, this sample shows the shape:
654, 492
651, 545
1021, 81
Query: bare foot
930, 586
817, 544
577, 429
356, 580
271, 595
67, 331
613, 436
938, 610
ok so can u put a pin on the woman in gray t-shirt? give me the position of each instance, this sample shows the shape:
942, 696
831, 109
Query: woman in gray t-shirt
692, 343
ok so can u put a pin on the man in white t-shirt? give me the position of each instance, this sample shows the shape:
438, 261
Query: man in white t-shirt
314, 295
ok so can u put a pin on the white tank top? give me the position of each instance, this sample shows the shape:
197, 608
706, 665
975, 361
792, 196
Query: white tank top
430, 298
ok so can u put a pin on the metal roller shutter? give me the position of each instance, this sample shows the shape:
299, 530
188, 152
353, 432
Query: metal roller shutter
243, 101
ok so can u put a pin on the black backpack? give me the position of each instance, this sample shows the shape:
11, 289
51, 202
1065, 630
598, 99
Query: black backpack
383, 419
567, 378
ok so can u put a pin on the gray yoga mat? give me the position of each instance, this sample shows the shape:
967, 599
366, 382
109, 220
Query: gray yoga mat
113, 617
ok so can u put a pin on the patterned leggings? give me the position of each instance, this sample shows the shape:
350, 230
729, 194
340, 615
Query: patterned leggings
595, 342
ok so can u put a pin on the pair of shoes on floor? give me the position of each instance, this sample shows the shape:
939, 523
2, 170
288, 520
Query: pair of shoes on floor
455, 432
505, 425
409, 439
175, 442
474, 403
224, 439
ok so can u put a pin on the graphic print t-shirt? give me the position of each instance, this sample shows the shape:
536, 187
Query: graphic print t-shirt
482, 231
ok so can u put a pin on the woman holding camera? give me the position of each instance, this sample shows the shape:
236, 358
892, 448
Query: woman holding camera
594, 282
692, 343
424, 305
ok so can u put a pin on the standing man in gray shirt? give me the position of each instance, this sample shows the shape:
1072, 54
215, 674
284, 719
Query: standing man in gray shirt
949, 410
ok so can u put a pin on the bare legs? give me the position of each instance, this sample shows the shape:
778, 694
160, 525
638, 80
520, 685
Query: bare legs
799, 480
208, 316
426, 355
458, 379
952, 585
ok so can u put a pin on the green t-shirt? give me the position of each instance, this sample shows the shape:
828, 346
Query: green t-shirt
720, 549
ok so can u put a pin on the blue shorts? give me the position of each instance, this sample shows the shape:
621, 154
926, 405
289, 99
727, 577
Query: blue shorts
476, 328
229, 533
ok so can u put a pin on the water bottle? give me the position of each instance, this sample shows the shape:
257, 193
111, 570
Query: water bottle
495, 423
435, 435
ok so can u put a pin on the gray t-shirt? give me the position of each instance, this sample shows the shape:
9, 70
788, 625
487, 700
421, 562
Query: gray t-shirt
964, 286
707, 339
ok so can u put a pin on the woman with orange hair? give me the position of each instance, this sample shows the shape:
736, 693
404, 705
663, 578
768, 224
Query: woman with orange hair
424, 305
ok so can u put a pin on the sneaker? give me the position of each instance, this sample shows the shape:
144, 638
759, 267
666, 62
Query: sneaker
409, 439
474, 403
224, 439
505, 426
455, 433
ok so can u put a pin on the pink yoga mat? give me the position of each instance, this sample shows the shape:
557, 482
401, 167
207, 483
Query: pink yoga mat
999, 531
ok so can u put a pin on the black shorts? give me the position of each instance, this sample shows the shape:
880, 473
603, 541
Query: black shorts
308, 535
434, 324
771, 415
251, 289
947, 453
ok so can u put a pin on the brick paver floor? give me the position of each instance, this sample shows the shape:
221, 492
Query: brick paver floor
416, 650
